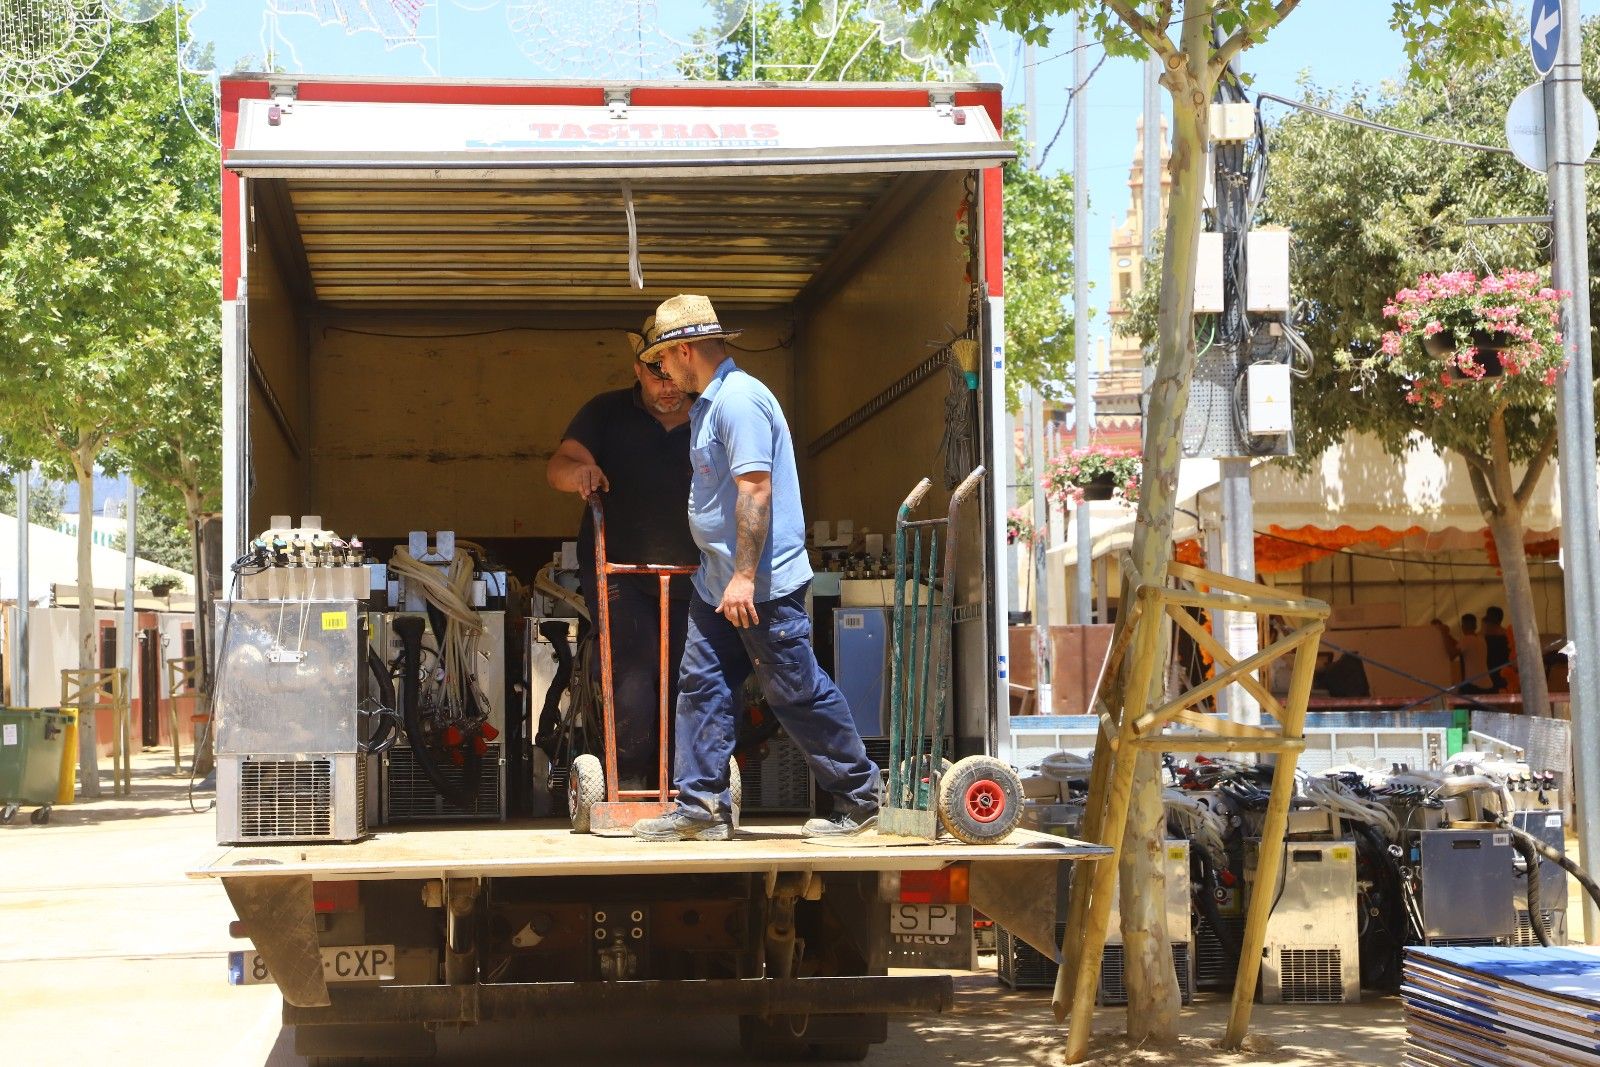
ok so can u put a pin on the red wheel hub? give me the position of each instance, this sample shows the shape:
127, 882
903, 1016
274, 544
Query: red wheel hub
985, 801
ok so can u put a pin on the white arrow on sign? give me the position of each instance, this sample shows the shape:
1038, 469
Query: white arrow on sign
1549, 19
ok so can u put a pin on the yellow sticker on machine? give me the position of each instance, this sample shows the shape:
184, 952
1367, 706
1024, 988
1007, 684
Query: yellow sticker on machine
1177, 853
335, 620
1342, 853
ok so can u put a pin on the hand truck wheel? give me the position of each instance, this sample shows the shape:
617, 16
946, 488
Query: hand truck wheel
40, 816
980, 800
586, 787
9, 812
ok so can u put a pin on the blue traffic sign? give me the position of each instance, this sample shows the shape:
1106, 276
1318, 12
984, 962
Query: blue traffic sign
1544, 34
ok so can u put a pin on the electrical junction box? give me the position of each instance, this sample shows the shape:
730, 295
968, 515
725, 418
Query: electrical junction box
1267, 279
1267, 387
1208, 275
1233, 122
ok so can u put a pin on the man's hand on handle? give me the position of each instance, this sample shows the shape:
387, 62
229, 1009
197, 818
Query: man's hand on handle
590, 479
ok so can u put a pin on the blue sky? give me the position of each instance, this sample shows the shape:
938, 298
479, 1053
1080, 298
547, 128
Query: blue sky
1338, 44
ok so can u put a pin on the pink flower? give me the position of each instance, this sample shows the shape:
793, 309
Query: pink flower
1432, 328
1391, 344
1438, 401
1413, 397
1550, 377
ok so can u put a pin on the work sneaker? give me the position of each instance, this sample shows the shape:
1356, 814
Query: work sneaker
676, 826
841, 824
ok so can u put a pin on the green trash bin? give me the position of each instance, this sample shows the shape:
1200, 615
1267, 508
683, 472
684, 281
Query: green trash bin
30, 760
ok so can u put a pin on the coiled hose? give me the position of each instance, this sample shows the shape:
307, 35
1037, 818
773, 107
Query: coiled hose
384, 736
1554, 856
1530, 857
409, 629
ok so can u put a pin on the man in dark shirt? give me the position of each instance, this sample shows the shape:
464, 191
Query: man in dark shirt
1498, 645
632, 446
1340, 674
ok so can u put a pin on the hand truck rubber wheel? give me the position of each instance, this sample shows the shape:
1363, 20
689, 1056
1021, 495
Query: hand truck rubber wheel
40, 816
9, 812
980, 800
586, 787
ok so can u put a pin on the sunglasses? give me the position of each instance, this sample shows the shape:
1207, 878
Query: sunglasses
655, 369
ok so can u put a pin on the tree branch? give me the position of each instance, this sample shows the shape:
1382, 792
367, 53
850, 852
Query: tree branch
1474, 460
1535, 471
1163, 16
1481, 490
1247, 35
1147, 32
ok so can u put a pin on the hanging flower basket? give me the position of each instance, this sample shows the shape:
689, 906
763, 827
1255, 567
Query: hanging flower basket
1458, 330
1094, 474
1101, 487
1019, 528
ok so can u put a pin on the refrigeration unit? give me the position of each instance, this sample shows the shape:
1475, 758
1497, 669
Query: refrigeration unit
290, 684
1311, 954
1547, 824
1468, 887
408, 794
1113, 987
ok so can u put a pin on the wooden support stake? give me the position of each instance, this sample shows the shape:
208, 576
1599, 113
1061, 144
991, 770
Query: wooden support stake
1304, 607
1221, 680
1223, 658
1269, 861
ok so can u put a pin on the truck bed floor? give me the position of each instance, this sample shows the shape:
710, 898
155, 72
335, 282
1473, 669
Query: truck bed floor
549, 848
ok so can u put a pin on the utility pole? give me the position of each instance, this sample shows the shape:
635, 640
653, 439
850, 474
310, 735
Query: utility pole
19, 642
129, 641
1580, 552
1083, 573
1237, 628
1035, 411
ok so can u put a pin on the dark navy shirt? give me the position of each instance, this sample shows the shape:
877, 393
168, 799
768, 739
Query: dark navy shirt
648, 468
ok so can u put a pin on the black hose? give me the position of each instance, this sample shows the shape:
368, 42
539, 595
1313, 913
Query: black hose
550, 712
1530, 856
409, 629
1555, 856
384, 736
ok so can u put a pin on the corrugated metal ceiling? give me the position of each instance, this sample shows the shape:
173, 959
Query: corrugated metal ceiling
754, 241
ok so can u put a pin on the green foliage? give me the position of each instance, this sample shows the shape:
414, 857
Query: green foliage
792, 43
1371, 212
1038, 207
108, 267
161, 535
1070, 472
45, 500
1038, 276
1470, 30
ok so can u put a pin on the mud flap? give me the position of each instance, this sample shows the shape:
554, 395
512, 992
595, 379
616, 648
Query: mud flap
1021, 896
280, 917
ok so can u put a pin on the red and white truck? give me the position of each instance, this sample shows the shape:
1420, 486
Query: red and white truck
422, 281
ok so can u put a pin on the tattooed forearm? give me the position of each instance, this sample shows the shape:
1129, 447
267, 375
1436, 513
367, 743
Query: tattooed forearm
753, 517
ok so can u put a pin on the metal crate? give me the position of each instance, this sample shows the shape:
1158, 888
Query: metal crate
780, 781
409, 796
264, 800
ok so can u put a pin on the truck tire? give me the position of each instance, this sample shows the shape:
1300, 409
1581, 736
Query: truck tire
586, 787
760, 1039
980, 800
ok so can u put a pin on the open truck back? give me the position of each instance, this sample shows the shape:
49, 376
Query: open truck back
423, 281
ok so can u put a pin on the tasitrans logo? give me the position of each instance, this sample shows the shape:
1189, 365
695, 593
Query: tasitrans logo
573, 135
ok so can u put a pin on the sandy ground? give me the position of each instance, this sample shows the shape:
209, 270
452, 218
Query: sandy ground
107, 950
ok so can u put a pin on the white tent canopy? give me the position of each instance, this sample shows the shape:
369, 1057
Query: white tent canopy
1356, 484
53, 560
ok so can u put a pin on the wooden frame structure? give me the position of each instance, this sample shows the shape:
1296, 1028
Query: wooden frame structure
84, 691
1133, 727
182, 673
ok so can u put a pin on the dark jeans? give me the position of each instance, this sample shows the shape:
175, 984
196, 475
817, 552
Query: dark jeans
717, 658
636, 667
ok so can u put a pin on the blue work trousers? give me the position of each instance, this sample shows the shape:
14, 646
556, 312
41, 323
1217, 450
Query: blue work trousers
717, 658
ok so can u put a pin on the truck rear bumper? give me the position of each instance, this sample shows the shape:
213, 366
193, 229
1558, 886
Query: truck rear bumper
513, 1002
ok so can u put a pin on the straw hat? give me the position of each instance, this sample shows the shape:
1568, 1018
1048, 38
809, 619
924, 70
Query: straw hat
682, 318
636, 341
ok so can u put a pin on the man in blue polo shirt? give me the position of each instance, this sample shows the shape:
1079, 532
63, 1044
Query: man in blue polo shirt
748, 610
632, 446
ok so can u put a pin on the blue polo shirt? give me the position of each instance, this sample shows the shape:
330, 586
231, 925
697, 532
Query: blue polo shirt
737, 427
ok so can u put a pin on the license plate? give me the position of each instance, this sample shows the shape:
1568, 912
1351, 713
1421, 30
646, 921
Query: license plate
340, 963
923, 920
